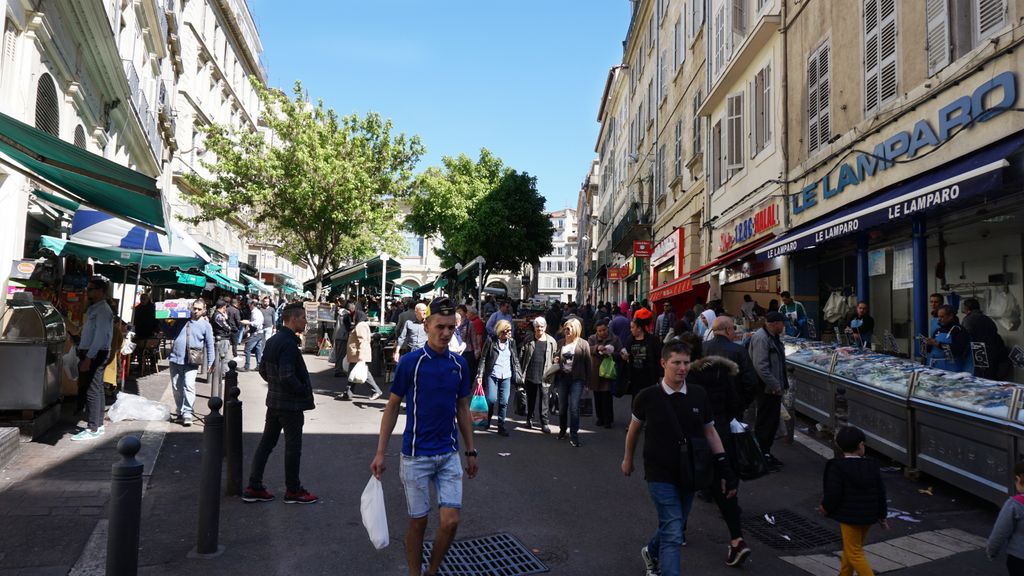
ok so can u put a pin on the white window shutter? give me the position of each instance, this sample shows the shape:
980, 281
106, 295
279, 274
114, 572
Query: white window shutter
812, 103
870, 54
824, 96
734, 127
727, 32
739, 17
888, 85
688, 14
991, 16
698, 16
936, 15
752, 88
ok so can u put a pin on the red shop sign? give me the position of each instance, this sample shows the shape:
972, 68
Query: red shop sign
618, 272
673, 289
642, 248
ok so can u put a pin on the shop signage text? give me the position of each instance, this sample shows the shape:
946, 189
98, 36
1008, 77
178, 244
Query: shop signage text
749, 228
642, 248
618, 272
673, 289
960, 113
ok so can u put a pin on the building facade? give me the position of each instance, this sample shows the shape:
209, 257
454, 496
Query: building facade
587, 230
556, 274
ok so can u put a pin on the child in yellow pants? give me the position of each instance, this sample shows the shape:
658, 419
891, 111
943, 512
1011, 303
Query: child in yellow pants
854, 495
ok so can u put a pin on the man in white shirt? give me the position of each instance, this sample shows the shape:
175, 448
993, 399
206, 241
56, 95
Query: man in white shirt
254, 345
94, 355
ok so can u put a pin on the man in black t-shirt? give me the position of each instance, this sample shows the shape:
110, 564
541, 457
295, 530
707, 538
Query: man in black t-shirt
654, 409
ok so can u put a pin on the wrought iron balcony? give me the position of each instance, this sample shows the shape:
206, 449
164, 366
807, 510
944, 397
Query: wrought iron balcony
635, 224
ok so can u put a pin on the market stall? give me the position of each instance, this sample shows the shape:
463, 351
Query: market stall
32, 337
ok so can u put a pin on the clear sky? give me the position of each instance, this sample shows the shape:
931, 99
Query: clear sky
522, 78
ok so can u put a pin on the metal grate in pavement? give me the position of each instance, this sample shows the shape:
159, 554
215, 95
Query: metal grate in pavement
498, 555
791, 531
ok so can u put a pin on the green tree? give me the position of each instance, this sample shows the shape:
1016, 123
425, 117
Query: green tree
324, 188
481, 208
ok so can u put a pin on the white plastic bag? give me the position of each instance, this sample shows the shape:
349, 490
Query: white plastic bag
359, 373
737, 427
128, 346
375, 517
70, 361
132, 407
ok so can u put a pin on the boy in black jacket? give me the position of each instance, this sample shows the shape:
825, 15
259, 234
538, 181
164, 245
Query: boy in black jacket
854, 496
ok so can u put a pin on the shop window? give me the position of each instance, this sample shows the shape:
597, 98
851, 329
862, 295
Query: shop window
665, 273
47, 113
880, 54
761, 109
818, 88
955, 27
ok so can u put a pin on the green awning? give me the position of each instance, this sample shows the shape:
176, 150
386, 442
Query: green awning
155, 278
257, 284
370, 271
440, 283
224, 282
288, 289
402, 291
56, 200
471, 270
108, 255
85, 177
424, 288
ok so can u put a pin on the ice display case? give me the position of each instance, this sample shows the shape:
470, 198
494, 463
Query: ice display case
31, 344
809, 363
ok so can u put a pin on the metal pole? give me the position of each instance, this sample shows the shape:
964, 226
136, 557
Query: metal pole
383, 283
233, 437
125, 510
230, 383
209, 484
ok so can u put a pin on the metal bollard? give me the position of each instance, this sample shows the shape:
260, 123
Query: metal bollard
230, 383
125, 510
233, 440
209, 484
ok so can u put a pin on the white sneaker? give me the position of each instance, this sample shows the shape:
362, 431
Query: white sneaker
650, 564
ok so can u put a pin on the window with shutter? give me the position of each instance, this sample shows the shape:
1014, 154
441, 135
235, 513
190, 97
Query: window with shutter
678, 164
739, 17
663, 87
716, 162
937, 38
47, 112
734, 135
10, 39
650, 101
698, 144
760, 97
80, 137
880, 53
991, 16
678, 51
818, 87
718, 61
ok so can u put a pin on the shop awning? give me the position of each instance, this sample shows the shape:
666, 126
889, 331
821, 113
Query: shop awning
288, 289
471, 269
98, 228
370, 271
969, 177
109, 255
57, 200
424, 288
255, 283
175, 279
401, 290
225, 282
85, 177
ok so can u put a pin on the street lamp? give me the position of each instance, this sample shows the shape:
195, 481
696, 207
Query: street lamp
383, 282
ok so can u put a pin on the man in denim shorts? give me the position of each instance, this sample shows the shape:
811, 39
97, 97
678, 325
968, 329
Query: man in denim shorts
435, 384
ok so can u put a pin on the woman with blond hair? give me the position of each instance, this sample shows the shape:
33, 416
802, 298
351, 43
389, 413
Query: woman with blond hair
573, 361
499, 370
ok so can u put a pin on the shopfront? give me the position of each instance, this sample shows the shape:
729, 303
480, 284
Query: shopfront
736, 271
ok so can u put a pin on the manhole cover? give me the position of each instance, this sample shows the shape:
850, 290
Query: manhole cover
498, 555
790, 531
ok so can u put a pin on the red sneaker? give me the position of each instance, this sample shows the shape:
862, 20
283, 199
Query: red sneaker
299, 497
260, 494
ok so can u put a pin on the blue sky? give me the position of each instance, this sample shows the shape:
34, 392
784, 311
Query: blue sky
522, 78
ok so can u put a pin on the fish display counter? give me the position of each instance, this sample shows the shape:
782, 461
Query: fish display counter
810, 363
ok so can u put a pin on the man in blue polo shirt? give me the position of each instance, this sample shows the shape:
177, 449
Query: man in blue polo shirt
435, 384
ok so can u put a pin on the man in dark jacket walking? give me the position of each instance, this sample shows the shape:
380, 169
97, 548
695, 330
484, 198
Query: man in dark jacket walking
723, 345
983, 330
289, 394
769, 358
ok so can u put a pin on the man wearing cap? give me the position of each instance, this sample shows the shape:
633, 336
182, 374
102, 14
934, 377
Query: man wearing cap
504, 313
435, 382
769, 358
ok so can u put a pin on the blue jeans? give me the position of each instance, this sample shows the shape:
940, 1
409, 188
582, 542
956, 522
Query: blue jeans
444, 471
497, 391
569, 392
673, 506
183, 384
254, 346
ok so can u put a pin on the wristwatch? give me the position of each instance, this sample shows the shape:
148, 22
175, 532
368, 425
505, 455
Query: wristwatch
472, 453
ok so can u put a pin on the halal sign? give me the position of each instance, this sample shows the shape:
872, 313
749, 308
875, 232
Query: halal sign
749, 228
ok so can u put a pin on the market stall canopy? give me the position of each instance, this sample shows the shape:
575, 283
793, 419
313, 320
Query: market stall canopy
402, 291
83, 176
223, 282
472, 269
257, 284
101, 229
424, 288
289, 289
175, 279
370, 270
121, 256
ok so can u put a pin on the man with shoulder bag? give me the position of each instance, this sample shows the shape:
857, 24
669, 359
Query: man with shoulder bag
682, 454
193, 348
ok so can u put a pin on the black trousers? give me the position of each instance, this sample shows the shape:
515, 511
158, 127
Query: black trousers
533, 391
291, 422
1014, 565
603, 407
90, 388
767, 423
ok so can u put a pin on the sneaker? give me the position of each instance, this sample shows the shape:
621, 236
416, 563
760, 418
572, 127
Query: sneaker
186, 421
260, 494
546, 429
300, 497
502, 431
737, 554
87, 435
175, 419
346, 397
101, 430
561, 435
575, 442
375, 395
649, 563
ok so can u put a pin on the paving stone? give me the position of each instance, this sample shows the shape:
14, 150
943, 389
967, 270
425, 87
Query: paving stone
91, 511
896, 554
951, 544
29, 511
817, 564
978, 541
880, 564
926, 549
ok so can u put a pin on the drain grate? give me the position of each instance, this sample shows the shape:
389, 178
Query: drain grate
498, 555
791, 531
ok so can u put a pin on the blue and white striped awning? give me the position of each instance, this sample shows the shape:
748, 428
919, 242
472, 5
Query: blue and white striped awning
101, 229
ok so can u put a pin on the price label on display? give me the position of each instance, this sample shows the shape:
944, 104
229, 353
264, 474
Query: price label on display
1017, 356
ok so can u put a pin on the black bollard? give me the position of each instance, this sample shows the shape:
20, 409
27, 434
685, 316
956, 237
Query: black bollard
209, 483
230, 383
125, 510
233, 439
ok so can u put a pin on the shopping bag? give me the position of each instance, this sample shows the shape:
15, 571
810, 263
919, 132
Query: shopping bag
587, 403
478, 408
333, 358
748, 460
359, 373
375, 517
607, 369
325, 348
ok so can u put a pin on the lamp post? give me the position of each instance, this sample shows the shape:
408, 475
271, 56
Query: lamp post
383, 282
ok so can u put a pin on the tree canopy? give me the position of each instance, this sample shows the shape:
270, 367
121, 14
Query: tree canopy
324, 188
481, 208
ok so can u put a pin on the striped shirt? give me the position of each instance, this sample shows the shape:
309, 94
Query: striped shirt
431, 384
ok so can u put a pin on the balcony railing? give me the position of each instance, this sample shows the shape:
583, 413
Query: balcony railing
635, 224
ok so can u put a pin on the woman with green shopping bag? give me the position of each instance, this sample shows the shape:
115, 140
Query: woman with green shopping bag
605, 348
